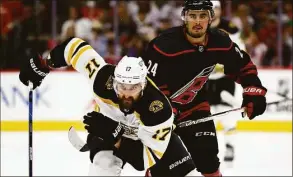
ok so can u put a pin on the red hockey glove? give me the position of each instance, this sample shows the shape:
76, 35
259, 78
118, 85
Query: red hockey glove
254, 100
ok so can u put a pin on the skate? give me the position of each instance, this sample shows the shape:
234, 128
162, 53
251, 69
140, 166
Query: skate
229, 154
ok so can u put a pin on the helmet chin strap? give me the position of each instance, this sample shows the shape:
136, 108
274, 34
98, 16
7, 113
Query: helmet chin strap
143, 87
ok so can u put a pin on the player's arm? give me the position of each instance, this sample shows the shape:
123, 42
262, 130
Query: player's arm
73, 52
79, 54
240, 68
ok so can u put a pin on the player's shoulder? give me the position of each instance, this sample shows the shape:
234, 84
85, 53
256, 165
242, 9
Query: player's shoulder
170, 41
228, 26
103, 80
154, 107
219, 39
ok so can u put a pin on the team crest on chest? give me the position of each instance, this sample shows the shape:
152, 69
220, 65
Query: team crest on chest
156, 106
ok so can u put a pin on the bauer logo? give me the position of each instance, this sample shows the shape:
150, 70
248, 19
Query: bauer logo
117, 130
179, 162
36, 70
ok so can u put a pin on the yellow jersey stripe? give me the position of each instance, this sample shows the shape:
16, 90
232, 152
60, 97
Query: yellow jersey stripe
80, 52
97, 108
150, 160
110, 102
152, 82
107, 101
71, 50
158, 154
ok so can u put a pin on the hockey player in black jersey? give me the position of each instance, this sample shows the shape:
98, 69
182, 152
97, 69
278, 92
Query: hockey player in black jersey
134, 120
180, 61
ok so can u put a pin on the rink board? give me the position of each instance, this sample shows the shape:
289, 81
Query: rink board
64, 97
255, 126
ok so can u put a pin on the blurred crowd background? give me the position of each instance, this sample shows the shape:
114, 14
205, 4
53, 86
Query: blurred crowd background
116, 28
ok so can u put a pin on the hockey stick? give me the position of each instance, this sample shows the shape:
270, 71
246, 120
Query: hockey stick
30, 126
212, 116
80, 145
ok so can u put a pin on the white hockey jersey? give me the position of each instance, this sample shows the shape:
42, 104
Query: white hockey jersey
152, 119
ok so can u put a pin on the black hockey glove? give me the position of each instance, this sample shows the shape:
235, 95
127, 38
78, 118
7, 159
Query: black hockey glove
254, 100
103, 127
33, 70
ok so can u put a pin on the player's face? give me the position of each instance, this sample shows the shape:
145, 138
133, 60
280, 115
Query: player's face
128, 94
197, 22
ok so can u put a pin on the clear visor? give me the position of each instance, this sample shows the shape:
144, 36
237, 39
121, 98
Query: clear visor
130, 89
197, 15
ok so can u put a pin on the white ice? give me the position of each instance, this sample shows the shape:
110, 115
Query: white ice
257, 154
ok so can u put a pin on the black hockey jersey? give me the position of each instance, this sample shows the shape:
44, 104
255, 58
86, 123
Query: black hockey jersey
181, 69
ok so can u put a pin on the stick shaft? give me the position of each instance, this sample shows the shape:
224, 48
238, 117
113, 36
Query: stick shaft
213, 116
30, 128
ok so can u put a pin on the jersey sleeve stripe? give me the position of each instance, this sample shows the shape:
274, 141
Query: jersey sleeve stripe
78, 54
71, 49
158, 154
78, 47
150, 159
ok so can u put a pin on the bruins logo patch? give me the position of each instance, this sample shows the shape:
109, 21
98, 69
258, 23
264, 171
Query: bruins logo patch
156, 106
109, 83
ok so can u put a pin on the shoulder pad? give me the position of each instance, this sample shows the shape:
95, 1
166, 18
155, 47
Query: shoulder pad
154, 106
103, 79
219, 40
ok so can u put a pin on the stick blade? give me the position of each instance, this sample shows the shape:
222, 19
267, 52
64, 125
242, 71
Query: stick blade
76, 141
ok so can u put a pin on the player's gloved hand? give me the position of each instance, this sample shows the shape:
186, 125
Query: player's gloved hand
103, 127
34, 70
254, 100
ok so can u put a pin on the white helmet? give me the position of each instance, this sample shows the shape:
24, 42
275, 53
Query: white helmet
216, 4
131, 70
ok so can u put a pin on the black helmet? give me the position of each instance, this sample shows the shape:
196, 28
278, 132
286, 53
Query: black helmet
198, 5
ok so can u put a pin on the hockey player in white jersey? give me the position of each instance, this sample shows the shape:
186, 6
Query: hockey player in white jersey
227, 25
134, 120
222, 89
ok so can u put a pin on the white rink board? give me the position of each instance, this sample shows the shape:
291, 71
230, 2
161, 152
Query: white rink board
61, 96
68, 96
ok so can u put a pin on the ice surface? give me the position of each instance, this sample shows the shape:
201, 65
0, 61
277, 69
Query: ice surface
260, 154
